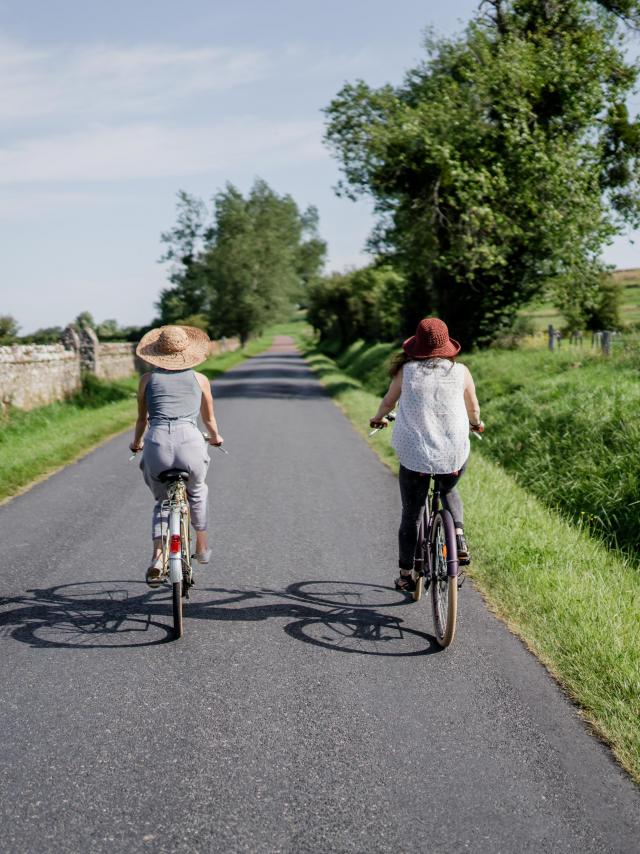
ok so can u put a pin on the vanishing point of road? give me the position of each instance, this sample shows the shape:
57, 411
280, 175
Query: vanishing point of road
307, 708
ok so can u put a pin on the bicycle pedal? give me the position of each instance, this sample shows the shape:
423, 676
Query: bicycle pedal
461, 579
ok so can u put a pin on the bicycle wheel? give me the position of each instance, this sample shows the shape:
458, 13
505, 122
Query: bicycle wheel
421, 558
443, 554
176, 595
175, 567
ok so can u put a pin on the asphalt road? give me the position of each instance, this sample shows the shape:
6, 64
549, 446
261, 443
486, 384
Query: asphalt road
307, 708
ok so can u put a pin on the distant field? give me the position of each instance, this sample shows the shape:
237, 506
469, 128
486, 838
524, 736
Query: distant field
544, 313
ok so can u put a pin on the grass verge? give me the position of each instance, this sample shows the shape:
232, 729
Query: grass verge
35, 444
573, 602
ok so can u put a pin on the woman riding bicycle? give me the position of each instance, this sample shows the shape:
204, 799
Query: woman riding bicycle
169, 400
438, 403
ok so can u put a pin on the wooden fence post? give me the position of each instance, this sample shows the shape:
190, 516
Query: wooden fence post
552, 336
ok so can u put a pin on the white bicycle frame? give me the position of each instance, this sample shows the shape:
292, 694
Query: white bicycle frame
175, 545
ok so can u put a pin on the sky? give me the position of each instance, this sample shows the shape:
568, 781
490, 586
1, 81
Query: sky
108, 109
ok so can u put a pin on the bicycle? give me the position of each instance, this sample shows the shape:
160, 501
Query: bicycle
176, 540
436, 562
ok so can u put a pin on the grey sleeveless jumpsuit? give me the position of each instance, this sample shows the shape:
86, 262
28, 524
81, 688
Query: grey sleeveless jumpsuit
174, 441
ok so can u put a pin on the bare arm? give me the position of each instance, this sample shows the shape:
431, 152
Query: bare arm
389, 401
470, 400
206, 411
141, 423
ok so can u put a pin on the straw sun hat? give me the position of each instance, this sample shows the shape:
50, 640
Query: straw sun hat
174, 348
431, 340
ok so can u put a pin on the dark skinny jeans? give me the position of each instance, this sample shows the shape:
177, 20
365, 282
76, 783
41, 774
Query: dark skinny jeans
413, 492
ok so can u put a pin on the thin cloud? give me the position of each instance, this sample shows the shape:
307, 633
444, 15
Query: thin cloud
156, 151
106, 82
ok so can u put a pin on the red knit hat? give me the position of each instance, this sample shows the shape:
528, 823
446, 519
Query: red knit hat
431, 340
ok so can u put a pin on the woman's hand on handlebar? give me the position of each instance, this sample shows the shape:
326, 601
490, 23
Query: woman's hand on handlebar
378, 424
477, 428
135, 448
216, 439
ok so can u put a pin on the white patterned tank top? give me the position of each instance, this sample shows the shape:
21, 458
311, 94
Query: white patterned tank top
431, 433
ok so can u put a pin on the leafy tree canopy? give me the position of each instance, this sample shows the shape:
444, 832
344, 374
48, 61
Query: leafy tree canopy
9, 328
360, 304
243, 266
506, 159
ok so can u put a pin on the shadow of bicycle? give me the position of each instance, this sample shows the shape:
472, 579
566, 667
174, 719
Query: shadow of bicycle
343, 616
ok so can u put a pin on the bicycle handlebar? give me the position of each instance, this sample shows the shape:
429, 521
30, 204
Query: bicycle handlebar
205, 436
390, 417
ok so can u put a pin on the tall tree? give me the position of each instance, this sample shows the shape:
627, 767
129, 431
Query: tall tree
9, 328
184, 243
254, 262
506, 159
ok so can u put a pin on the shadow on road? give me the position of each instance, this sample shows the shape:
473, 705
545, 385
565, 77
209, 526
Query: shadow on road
271, 376
342, 616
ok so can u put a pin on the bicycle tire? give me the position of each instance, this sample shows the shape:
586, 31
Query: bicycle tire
444, 587
176, 595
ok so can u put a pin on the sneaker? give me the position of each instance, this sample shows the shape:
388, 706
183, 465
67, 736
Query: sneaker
405, 583
464, 558
154, 573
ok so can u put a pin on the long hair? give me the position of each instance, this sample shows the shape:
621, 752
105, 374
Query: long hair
400, 360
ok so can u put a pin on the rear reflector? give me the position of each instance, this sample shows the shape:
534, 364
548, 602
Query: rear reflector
174, 544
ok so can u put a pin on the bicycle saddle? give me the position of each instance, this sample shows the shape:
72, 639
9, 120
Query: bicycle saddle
171, 475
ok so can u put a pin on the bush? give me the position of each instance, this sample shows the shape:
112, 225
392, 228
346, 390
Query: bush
361, 304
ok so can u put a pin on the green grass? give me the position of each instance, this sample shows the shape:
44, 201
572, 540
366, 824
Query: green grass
568, 429
36, 443
574, 602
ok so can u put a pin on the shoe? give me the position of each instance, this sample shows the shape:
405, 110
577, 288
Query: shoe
154, 573
464, 557
405, 582
203, 557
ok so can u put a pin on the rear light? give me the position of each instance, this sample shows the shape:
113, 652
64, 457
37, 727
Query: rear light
174, 544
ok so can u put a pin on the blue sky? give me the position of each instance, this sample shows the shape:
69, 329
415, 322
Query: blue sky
109, 108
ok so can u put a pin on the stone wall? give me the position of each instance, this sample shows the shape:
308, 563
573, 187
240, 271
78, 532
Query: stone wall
116, 361
33, 375
36, 374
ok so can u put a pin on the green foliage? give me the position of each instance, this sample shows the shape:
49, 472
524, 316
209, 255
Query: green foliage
605, 314
361, 304
245, 268
592, 302
45, 335
85, 320
9, 329
199, 321
96, 392
503, 161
